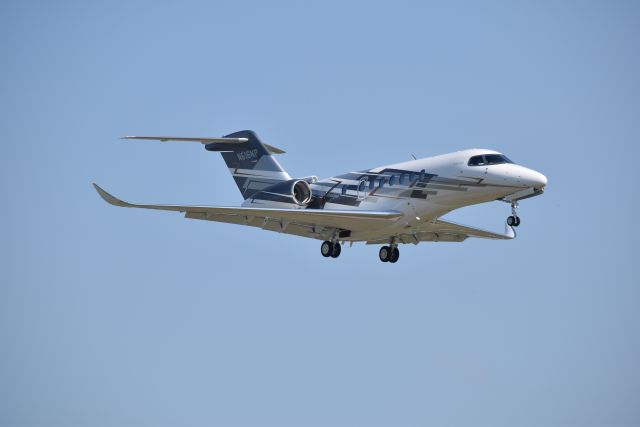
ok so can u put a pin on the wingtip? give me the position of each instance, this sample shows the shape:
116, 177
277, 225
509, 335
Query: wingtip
98, 188
274, 150
108, 197
509, 231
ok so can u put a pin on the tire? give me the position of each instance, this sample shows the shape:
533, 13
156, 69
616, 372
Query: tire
326, 249
337, 248
384, 253
511, 221
395, 255
517, 221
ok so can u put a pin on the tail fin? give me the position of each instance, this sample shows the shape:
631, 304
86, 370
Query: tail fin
250, 162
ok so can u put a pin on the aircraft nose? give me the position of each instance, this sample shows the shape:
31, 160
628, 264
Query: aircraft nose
537, 179
541, 179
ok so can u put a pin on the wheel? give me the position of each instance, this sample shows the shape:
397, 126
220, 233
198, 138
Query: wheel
384, 253
517, 221
395, 255
511, 221
326, 249
336, 250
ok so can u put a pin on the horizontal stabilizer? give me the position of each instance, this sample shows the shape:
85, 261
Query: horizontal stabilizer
272, 149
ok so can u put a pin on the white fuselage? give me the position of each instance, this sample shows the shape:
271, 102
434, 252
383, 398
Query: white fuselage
424, 189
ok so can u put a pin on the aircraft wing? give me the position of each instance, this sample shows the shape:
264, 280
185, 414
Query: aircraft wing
305, 222
440, 230
446, 227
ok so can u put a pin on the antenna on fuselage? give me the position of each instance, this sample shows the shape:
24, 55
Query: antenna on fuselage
414, 157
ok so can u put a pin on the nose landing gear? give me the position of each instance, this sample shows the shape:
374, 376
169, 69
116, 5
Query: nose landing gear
514, 219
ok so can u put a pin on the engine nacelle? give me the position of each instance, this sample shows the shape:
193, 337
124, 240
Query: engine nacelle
297, 191
301, 192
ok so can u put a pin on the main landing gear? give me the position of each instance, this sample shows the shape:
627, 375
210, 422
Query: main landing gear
389, 253
514, 219
330, 249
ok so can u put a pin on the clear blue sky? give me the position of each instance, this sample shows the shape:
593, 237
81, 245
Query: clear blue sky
116, 317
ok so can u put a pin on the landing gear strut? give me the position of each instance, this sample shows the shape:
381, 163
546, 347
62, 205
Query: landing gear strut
330, 249
389, 253
514, 219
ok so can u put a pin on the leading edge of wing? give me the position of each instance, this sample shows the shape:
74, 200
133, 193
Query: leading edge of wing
292, 214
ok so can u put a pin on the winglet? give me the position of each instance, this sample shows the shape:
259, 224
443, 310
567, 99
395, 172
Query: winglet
509, 231
274, 150
109, 198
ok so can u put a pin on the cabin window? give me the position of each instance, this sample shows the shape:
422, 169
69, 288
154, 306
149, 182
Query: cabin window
363, 185
372, 184
381, 183
344, 190
392, 180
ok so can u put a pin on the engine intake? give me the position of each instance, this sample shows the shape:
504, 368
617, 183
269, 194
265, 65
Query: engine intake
301, 192
295, 191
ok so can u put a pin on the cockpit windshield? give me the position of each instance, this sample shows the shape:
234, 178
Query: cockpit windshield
488, 159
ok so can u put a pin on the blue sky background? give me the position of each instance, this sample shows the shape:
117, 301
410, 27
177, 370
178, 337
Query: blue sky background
115, 317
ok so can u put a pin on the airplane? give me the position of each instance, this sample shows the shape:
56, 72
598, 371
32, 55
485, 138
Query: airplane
389, 205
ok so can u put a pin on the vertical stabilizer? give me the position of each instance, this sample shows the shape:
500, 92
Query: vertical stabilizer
251, 163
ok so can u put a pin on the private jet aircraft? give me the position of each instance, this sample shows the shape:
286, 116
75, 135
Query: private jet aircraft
387, 205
